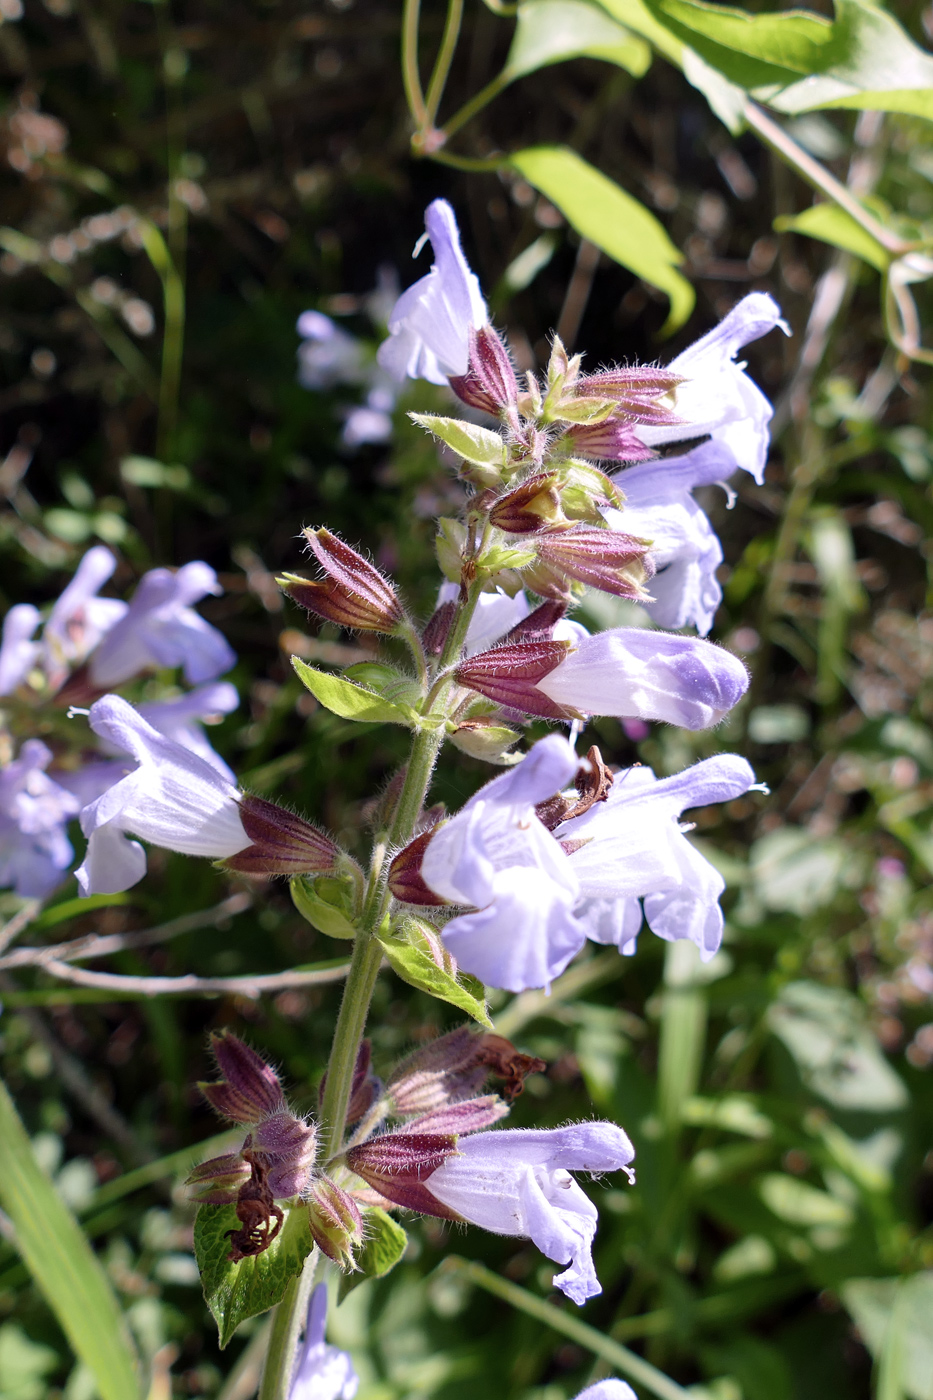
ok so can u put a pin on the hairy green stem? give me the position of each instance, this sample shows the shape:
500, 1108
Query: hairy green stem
287, 1322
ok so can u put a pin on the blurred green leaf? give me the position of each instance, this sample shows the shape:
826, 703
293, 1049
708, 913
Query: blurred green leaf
798, 1203
549, 31
614, 220
837, 1056
831, 224
234, 1292
880, 1304
62, 1263
24, 1364
794, 872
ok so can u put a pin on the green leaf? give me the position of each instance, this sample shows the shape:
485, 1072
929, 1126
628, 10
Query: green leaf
636, 15
409, 955
391, 684
468, 440
786, 43
504, 556
797, 1203
830, 224
882, 1305
234, 1292
347, 699
62, 1263
385, 1244
549, 31
837, 1055
608, 216
320, 913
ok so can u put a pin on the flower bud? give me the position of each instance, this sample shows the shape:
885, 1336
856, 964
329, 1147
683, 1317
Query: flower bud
612, 440
218, 1180
465, 1116
287, 1145
489, 383
530, 506
250, 1090
405, 880
612, 562
437, 627
508, 675
539, 624
335, 1221
283, 844
635, 390
484, 738
354, 594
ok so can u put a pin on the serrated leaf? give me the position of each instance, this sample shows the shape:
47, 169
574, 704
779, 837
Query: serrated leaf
550, 31
62, 1264
385, 1243
830, 224
234, 1292
416, 967
320, 913
614, 220
347, 699
480, 445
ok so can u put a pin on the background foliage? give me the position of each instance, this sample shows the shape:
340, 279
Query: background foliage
176, 187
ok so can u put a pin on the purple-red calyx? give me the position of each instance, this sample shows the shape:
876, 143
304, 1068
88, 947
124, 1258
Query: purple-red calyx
509, 674
612, 440
353, 593
454, 1068
283, 843
489, 383
531, 506
614, 563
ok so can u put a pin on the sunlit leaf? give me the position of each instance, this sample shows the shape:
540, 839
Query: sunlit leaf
830, 224
410, 956
346, 699
549, 31
62, 1263
608, 216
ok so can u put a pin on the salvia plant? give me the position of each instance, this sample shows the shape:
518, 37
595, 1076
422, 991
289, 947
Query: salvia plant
575, 479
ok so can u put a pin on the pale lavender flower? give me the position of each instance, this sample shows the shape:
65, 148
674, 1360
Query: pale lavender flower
322, 1372
717, 396
496, 855
328, 355
540, 894
161, 628
429, 326
638, 673
34, 813
632, 846
611, 1389
182, 720
659, 506
79, 619
171, 798
517, 1182
18, 652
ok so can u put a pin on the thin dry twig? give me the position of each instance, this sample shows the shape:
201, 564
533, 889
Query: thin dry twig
19, 921
94, 945
252, 986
